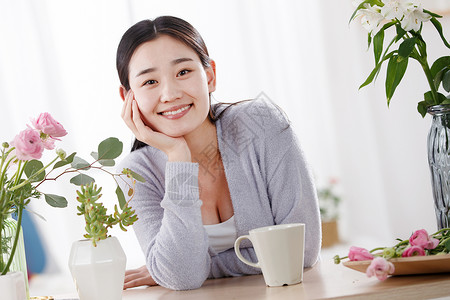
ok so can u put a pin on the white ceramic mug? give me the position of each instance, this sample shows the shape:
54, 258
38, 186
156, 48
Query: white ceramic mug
280, 251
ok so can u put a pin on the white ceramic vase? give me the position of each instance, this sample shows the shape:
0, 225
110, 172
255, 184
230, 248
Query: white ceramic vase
12, 286
98, 272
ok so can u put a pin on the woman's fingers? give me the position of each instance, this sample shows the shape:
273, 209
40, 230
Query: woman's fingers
138, 277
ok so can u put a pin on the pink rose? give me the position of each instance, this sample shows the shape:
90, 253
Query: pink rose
381, 268
413, 251
422, 239
28, 144
358, 254
48, 125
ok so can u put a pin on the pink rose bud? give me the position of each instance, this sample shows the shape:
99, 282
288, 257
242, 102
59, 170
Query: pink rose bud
381, 268
48, 125
422, 239
28, 145
413, 251
359, 254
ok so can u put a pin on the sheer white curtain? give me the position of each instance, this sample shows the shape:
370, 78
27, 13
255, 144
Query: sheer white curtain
59, 56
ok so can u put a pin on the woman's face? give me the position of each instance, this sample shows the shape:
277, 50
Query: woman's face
171, 86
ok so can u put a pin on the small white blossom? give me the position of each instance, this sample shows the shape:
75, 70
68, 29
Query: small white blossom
413, 18
395, 9
371, 18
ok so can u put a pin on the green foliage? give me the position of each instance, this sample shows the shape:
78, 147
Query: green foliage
95, 214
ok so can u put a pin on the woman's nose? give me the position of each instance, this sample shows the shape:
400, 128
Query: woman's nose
170, 91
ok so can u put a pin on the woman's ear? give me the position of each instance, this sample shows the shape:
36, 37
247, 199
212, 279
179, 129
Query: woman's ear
211, 76
122, 92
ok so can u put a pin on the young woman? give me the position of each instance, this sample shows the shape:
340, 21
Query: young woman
212, 172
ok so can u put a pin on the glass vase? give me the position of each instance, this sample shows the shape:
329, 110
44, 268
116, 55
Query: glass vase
439, 161
19, 261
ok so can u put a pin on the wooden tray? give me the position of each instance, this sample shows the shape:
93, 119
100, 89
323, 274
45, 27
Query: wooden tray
410, 265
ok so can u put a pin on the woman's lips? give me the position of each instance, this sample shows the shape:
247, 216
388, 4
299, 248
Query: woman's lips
176, 112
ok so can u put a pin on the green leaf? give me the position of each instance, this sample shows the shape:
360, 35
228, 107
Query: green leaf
107, 162
438, 27
79, 163
439, 64
422, 108
400, 32
375, 71
432, 14
120, 197
447, 245
378, 45
81, 179
440, 77
137, 176
406, 47
31, 168
68, 160
395, 71
428, 97
94, 155
110, 148
103, 162
55, 200
446, 81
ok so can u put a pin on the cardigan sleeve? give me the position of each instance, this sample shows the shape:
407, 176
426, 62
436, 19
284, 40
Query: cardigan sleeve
169, 228
292, 191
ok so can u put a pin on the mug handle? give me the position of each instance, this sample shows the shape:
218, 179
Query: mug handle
238, 251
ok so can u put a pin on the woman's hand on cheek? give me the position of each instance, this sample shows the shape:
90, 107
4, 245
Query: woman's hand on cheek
176, 149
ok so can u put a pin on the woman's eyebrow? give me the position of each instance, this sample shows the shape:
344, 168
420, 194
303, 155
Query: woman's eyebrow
174, 62
180, 60
145, 71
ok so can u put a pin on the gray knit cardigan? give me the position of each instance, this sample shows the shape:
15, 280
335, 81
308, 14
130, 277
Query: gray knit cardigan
269, 183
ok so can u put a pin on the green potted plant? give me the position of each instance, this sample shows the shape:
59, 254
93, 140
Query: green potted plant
98, 263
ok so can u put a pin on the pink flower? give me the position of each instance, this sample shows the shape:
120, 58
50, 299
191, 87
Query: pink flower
422, 239
381, 268
48, 125
413, 251
48, 143
28, 145
358, 254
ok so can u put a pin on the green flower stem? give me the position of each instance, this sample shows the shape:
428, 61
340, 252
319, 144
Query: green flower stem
426, 69
422, 54
442, 230
1, 251
34, 175
16, 239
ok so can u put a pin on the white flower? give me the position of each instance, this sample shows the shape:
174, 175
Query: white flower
395, 9
413, 18
371, 18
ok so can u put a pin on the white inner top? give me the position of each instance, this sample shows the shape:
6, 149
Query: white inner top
222, 235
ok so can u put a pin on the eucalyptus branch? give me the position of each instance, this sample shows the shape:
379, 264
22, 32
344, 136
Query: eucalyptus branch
34, 175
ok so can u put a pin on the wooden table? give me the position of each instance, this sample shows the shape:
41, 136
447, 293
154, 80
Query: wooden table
325, 280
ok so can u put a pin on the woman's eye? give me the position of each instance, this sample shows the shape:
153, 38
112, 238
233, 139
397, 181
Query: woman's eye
150, 82
183, 72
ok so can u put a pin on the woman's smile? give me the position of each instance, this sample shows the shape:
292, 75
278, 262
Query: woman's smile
176, 112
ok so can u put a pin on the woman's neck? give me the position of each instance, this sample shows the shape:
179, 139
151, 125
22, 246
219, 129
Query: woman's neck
202, 142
